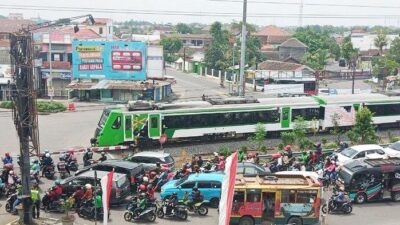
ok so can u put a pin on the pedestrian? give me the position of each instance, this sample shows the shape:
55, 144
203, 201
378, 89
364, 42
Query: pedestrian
35, 196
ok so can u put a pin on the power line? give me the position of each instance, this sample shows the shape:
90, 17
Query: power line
196, 14
312, 4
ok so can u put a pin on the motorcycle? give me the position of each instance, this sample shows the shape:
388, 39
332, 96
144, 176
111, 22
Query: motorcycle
10, 201
89, 162
197, 208
52, 205
88, 211
10, 190
332, 206
179, 211
147, 215
35, 176
49, 171
72, 166
61, 166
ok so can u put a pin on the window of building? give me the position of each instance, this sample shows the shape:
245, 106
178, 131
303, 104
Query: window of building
67, 38
56, 57
100, 30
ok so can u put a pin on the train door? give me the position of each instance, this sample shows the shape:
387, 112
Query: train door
154, 126
128, 128
285, 117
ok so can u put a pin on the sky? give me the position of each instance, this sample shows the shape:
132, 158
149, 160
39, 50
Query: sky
260, 12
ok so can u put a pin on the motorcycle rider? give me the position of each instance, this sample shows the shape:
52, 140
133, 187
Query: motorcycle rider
200, 161
35, 166
103, 157
12, 178
196, 196
47, 161
340, 198
78, 195
221, 163
343, 145
7, 159
88, 193
172, 202
141, 205
35, 196
4, 174
87, 157
289, 152
150, 191
19, 198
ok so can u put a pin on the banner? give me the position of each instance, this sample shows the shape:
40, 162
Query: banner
227, 189
106, 185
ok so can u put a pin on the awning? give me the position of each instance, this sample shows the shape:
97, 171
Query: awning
80, 85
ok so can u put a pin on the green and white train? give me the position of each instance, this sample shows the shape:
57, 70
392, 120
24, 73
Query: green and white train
201, 120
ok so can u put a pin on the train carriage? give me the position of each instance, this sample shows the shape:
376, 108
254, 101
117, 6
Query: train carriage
205, 121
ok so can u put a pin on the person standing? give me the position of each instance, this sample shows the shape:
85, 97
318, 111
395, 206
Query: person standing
35, 196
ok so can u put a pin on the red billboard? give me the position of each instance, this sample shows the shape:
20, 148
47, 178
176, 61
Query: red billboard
126, 60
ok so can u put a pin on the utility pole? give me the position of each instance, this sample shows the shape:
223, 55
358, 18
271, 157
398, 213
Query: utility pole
50, 79
184, 59
353, 77
242, 81
301, 14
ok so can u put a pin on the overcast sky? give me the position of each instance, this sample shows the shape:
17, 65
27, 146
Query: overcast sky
384, 13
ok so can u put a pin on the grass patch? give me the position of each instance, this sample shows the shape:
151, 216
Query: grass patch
43, 106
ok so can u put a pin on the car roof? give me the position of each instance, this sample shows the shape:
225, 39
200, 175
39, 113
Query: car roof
152, 154
247, 164
216, 176
100, 174
360, 148
121, 163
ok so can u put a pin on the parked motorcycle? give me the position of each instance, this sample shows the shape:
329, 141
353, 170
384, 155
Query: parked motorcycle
61, 166
147, 215
10, 190
332, 206
72, 166
52, 205
88, 211
179, 211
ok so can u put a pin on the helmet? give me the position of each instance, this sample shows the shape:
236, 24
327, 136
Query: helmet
57, 182
145, 179
195, 189
149, 187
46, 151
288, 147
35, 161
11, 172
333, 162
103, 153
142, 195
47, 155
35, 185
89, 149
7, 154
142, 187
88, 186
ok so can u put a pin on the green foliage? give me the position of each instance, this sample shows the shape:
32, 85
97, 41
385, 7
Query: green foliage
281, 146
288, 138
394, 139
224, 151
305, 143
363, 131
51, 107
316, 60
336, 130
331, 146
6, 105
259, 135
324, 140
217, 52
183, 28
381, 40
263, 148
347, 49
171, 45
237, 26
384, 66
297, 135
243, 148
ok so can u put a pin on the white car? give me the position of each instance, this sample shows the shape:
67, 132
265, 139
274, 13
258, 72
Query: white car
393, 150
361, 152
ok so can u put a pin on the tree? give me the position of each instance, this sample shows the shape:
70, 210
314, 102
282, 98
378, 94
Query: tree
171, 45
316, 60
381, 41
384, 66
363, 131
347, 49
336, 131
259, 135
182, 28
216, 53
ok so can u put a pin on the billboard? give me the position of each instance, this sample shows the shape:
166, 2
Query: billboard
111, 60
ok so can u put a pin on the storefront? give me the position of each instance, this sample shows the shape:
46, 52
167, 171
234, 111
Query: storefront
59, 81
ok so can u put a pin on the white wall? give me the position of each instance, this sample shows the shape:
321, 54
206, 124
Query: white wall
366, 42
155, 61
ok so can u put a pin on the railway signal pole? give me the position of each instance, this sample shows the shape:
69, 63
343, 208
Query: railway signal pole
242, 81
23, 96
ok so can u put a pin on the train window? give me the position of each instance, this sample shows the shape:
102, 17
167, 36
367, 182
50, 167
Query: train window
117, 123
154, 122
128, 123
307, 113
385, 109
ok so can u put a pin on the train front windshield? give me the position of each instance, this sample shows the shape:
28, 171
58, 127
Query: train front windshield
104, 117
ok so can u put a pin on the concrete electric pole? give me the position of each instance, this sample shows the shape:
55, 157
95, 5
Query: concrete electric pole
242, 81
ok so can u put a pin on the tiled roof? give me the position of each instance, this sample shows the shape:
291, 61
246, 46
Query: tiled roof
9, 26
293, 43
190, 36
98, 21
267, 47
83, 33
271, 55
277, 39
272, 31
279, 66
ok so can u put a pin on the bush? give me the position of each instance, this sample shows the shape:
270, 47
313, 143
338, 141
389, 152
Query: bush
243, 148
331, 146
51, 107
225, 151
281, 146
394, 139
288, 138
263, 148
324, 141
6, 105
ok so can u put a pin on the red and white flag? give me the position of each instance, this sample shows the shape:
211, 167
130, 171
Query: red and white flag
106, 185
227, 189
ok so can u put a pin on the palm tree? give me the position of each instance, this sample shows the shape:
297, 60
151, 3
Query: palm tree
381, 41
